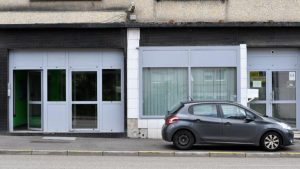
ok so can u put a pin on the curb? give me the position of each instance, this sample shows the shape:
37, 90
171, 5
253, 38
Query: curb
152, 153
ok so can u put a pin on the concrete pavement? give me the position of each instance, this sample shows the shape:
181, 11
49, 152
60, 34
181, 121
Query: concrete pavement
36, 145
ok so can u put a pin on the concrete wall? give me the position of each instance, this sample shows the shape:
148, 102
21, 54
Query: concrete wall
170, 11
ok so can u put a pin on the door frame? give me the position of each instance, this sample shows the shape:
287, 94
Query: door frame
70, 102
35, 102
269, 101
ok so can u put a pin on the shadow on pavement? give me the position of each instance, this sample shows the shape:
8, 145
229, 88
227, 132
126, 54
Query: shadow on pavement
238, 148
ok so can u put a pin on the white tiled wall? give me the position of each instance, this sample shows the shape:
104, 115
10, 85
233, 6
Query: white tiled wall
243, 74
133, 40
153, 127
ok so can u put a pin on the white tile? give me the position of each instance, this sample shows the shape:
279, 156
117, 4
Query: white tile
133, 33
151, 133
143, 123
161, 122
133, 44
132, 103
132, 74
132, 113
132, 54
132, 84
243, 84
133, 64
152, 123
132, 94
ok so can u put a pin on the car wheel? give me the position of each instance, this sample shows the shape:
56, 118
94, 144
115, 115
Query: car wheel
183, 140
271, 141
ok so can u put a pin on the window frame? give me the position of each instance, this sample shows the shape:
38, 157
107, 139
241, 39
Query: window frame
190, 109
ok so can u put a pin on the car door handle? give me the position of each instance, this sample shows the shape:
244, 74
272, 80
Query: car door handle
227, 124
197, 120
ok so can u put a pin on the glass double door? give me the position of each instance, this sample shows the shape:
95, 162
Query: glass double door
277, 94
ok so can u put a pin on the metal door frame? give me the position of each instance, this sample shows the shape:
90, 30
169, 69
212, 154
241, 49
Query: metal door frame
269, 91
35, 102
71, 102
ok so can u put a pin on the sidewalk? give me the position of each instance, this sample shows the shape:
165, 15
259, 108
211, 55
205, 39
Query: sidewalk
38, 145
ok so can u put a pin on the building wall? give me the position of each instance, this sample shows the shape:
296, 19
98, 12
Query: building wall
167, 11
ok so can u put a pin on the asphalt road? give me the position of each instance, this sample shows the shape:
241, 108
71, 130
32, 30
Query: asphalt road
85, 162
117, 144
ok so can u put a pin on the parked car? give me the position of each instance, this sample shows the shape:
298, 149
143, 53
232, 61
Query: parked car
223, 123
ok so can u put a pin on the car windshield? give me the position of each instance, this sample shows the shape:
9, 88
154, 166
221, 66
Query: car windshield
175, 108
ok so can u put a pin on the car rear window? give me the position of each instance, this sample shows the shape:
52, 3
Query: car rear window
208, 110
175, 109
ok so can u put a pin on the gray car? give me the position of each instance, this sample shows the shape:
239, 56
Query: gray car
223, 123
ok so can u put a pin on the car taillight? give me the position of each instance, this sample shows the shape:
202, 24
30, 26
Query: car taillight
171, 120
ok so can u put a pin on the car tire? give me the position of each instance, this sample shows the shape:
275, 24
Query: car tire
183, 140
271, 141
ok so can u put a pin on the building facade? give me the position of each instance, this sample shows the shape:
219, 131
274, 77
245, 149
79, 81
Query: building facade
117, 67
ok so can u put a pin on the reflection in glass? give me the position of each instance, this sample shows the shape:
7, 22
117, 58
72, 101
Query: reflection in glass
214, 84
258, 81
84, 86
35, 86
84, 116
111, 85
284, 87
285, 112
35, 115
56, 85
260, 108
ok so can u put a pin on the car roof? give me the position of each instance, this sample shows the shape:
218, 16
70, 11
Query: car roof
208, 101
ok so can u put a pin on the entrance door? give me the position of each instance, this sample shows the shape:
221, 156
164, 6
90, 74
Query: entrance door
35, 100
84, 105
277, 94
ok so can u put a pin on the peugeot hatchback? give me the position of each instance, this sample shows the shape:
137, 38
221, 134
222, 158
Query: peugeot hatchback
223, 123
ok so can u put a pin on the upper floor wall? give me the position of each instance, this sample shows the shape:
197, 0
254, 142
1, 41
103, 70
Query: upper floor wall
169, 11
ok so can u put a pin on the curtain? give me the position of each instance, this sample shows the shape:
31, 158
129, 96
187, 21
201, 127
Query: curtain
163, 89
214, 84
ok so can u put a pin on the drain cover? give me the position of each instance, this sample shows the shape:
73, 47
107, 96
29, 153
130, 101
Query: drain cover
60, 138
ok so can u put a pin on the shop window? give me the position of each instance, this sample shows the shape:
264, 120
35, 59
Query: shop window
163, 89
214, 84
111, 84
56, 85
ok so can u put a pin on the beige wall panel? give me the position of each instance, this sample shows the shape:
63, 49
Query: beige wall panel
61, 17
263, 10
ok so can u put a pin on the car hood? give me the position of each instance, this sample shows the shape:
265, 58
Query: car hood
272, 119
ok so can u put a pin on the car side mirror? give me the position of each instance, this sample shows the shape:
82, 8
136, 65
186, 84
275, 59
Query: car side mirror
249, 119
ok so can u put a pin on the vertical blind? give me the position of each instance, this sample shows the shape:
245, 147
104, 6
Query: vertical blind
163, 89
214, 84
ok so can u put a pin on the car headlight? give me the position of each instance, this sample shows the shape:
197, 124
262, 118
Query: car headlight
285, 126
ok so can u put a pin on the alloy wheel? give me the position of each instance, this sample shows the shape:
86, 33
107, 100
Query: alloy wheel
271, 142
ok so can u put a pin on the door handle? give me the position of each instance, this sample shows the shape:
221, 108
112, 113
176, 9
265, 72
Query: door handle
227, 124
197, 120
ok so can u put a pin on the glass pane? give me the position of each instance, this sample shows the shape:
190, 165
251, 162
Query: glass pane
233, 112
214, 84
260, 108
84, 116
35, 115
284, 85
111, 85
56, 85
209, 110
84, 86
285, 112
163, 89
35, 86
258, 81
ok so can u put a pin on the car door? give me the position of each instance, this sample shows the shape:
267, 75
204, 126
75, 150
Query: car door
206, 121
235, 126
